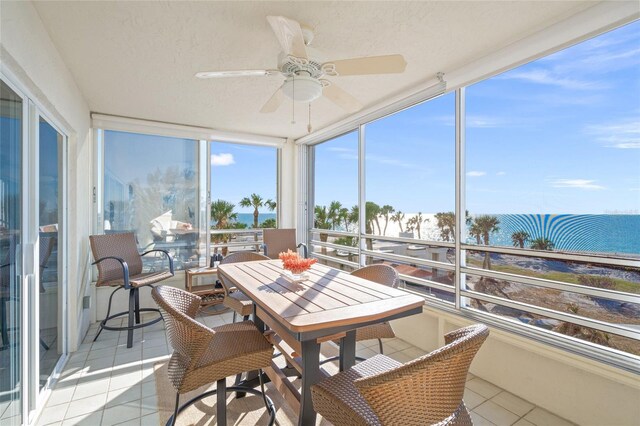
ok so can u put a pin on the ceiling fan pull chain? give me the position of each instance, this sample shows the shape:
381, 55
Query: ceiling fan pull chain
293, 104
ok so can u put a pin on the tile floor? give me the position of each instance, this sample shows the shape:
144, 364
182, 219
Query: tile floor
104, 383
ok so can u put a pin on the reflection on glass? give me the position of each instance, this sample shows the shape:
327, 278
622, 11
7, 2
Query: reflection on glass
151, 188
10, 212
51, 345
410, 172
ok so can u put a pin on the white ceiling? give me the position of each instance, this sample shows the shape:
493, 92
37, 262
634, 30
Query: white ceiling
137, 59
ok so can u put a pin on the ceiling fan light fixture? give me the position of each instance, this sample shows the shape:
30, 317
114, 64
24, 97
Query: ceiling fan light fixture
302, 88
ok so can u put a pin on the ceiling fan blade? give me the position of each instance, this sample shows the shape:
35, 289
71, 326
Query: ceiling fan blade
289, 34
274, 102
236, 73
387, 64
341, 98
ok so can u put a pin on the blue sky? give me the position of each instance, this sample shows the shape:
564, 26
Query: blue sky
557, 135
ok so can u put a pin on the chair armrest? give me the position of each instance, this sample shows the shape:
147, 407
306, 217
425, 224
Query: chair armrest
304, 249
168, 256
125, 268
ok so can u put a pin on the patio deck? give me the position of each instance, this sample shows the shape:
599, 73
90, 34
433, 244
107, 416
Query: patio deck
104, 383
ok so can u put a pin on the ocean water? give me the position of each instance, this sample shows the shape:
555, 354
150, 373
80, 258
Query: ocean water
589, 233
247, 218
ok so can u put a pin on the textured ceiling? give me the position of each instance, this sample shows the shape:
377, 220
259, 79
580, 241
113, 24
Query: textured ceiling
137, 59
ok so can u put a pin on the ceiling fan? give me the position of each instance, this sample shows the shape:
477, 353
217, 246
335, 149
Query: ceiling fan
305, 74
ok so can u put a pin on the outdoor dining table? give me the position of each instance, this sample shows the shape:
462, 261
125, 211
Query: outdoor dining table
330, 304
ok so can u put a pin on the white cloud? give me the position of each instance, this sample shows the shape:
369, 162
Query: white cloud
576, 183
475, 173
621, 134
542, 76
483, 122
222, 160
501, 173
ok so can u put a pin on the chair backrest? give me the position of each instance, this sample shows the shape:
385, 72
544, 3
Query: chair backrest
187, 337
277, 241
379, 273
429, 389
118, 245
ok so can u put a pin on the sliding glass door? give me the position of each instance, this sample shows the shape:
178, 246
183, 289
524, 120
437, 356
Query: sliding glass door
12, 110
32, 273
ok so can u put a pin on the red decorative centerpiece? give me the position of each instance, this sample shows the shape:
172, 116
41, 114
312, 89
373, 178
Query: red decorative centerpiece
295, 265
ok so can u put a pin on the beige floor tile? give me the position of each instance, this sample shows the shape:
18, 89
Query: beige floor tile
366, 353
484, 388
496, 414
121, 413
124, 395
90, 388
53, 414
150, 420
523, 422
401, 357
540, 417
148, 405
512, 403
60, 395
102, 353
128, 378
88, 419
395, 344
478, 420
86, 405
472, 399
148, 388
414, 352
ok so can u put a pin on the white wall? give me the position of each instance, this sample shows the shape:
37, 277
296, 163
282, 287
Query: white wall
581, 390
27, 53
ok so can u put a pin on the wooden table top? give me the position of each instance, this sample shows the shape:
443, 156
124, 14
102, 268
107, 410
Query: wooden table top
330, 298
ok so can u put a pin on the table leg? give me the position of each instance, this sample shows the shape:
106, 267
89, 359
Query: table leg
310, 376
348, 351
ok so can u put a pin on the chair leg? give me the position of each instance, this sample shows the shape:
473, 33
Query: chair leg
246, 318
4, 329
234, 316
137, 309
132, 307
221, 404
108, 313
380, 344
172, 419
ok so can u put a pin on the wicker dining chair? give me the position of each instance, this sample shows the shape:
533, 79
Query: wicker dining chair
276, 241
234, 298
120, 265
425, 391
203, 355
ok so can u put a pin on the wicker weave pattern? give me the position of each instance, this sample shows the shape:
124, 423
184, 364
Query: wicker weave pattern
234, 298
381, 330
203, 355
119, 245
427, 390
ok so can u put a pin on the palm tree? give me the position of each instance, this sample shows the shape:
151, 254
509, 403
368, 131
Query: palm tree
344, 218
372, 210
519, 238
334, 213
223, 215
256, 201
446, 221
385, 211
398, 217
415, 222
581, 332
542, 243
486, 225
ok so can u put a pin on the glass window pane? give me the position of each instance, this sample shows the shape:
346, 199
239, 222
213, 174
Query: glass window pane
50, 342
336, 194
151, 188
11, 107
244, 193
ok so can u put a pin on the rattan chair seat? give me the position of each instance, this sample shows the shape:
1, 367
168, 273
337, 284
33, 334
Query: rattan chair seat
337, 399
239, 302
427, 390
139, 280
382, 330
